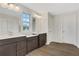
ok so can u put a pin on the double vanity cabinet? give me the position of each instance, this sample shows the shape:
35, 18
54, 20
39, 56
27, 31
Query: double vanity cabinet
21, 46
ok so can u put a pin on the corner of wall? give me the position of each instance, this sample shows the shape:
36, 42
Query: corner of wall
77, 46
47, 43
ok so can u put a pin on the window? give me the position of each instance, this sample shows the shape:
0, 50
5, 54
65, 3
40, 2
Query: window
26, 21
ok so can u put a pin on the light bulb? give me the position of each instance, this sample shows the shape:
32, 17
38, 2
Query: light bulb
4, 5
11, 6
17, 8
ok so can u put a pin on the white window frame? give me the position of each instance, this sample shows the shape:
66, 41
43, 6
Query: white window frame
30, 26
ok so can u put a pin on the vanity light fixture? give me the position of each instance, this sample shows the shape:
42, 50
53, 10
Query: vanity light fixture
11, 6
15, 7
38, 16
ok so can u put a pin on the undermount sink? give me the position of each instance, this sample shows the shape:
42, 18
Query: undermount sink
31, 35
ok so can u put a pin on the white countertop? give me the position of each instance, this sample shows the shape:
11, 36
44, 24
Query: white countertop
6, 36
9, 36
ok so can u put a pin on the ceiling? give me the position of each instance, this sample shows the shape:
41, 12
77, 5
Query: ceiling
53, 8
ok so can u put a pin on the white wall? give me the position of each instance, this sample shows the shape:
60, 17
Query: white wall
42, 23
77, 28
64, 28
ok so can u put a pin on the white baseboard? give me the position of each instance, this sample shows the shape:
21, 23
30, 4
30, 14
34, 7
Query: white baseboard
77, 46
48, 43
61, 42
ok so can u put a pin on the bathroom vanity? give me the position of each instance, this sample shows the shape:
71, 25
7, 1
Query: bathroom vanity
21, 45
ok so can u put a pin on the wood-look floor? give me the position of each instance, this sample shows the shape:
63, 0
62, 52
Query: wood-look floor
56, 49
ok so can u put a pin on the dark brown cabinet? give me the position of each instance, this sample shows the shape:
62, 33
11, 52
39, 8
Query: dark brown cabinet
8, 50
13, 46
21, 48
42, 39
32, 43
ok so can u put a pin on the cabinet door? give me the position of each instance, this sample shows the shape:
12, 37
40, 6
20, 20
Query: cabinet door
35, 42
8, 50
21, 45
32, 43
69, 28
21, 48
42, 39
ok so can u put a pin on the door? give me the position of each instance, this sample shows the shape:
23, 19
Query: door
69, 28
57, 28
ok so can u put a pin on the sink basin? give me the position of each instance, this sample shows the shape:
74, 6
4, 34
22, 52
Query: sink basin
31, 35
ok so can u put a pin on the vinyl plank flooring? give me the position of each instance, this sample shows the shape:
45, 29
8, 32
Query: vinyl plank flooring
56, 49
